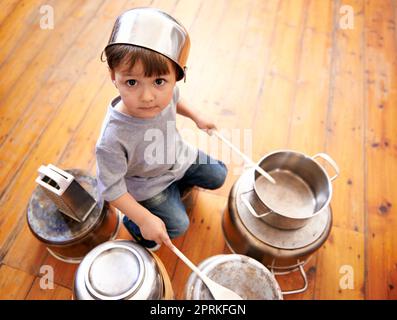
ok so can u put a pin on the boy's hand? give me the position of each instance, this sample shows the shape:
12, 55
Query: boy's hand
153, 228
205, 124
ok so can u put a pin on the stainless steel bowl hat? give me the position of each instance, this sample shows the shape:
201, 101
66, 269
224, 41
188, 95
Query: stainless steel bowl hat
155, 30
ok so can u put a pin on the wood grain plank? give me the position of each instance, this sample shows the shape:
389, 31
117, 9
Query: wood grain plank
345, 123
24, 16
14, 284
7, 6
64, 273
33, 59
27, 253
275, 100
340, 266
56, 293
309, 111
344, 130
381, 149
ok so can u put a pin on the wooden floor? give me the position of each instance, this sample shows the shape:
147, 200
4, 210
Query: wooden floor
286, 69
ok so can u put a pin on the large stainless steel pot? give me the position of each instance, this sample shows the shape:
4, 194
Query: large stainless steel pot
244, 275
156, 30
67, 239
281, 251
121, 270
302, 190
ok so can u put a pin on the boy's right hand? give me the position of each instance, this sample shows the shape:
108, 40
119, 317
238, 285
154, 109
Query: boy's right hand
153, 228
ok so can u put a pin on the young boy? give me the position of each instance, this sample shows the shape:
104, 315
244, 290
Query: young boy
146, 55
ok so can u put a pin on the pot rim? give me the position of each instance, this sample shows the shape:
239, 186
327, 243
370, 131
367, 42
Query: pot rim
151, 286
301, 154
111, 246
104, 208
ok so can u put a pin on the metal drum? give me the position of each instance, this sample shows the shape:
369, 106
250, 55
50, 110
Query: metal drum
244, 275
121, 270
282, 251
65, 238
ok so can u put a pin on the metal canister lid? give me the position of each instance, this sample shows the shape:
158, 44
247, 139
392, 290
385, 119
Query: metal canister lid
115, 272
51, 226
242, 274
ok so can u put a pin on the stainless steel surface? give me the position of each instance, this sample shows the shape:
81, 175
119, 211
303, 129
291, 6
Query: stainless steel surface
118, 270
156, 30
67, 193
244, 275
276, 237
281, 251
67, 239
290, 195
302, 191
218, 291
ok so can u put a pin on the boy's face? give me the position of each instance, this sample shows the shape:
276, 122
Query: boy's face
143, 97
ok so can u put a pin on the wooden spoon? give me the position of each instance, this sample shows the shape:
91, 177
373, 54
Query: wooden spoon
218, 292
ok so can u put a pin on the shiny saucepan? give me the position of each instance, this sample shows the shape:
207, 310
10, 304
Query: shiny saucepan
302, 190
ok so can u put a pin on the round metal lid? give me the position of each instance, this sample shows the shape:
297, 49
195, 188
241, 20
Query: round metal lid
51, 226
244, 275
283, 239
115, 273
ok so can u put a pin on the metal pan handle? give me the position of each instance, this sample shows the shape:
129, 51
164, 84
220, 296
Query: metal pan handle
327, 158
250, 208
305, 285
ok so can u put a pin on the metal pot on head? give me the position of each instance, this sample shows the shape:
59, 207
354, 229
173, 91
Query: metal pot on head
140, 27
303, 188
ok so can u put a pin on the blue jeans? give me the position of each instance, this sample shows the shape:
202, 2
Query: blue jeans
205, 172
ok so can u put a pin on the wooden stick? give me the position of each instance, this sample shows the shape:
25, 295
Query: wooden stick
247, 159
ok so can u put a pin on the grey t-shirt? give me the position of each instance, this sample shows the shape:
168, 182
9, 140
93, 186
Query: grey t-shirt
140, 156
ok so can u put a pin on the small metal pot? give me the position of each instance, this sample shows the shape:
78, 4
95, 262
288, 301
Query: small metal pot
302, 190
120, 270
244, 275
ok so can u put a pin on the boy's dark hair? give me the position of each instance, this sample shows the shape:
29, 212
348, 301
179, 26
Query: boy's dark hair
154, 63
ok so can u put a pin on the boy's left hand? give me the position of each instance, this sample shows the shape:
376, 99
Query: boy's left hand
205, 124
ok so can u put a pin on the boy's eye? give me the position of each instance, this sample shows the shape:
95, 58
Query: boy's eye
131, 82
159, 81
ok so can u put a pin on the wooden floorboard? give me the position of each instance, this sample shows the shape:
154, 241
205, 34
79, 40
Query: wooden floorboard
381, 149
284, 70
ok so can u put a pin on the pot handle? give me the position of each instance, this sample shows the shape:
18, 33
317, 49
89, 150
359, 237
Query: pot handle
327, 158
304, 288
250, 208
